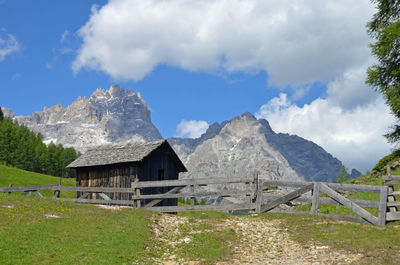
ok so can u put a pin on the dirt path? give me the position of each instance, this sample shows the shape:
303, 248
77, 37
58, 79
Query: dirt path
261, 242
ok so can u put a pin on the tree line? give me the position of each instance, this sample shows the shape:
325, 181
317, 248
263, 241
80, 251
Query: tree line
22, 148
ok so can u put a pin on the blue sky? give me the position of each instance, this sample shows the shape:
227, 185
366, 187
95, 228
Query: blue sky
299, 64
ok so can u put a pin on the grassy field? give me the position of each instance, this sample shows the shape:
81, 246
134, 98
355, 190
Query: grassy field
19, 177
44, 231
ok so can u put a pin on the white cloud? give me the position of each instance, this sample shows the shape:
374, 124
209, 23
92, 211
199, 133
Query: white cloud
349, 123
64, 36
191, 129
295, 41
349, 90
8, 44
353, 136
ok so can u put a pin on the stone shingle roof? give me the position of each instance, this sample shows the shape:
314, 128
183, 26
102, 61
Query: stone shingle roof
119, 154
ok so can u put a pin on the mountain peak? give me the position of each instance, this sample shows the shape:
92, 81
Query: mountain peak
248, 115
108, 116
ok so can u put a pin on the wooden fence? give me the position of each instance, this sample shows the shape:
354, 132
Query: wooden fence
256, 195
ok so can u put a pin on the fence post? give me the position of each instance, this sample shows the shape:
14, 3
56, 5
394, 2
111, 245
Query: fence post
248, 196
191, 198
383, 205
315, 199
259, 193
136, 203
10, 186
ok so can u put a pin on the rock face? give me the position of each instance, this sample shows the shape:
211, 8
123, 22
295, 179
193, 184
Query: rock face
234, 148
7, 112
244, 144
114, 116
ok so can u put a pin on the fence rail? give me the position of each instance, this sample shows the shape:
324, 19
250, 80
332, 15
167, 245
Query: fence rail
256, 195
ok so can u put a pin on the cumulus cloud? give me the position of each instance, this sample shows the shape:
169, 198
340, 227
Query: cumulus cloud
295, 41
349, 90
8, 44
191, 129
349, 123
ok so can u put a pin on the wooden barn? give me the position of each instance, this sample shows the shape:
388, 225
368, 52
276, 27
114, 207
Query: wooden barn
118, 166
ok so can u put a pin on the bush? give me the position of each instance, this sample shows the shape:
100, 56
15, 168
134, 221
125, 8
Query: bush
380, 166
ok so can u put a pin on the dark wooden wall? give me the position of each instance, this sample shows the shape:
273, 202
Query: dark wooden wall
115, 176
159, 159
121, 175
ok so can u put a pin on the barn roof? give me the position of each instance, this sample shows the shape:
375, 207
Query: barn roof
109, 155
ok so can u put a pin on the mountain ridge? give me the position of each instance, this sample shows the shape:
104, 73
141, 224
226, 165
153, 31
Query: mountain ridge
238, 146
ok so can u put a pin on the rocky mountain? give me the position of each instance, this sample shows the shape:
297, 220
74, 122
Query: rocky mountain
245, 144
238, 147
107, 117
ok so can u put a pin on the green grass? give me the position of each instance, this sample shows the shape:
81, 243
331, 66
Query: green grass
18, 177
83, 234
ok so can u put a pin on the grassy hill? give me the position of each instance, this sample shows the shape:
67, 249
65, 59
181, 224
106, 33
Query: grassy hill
19, 177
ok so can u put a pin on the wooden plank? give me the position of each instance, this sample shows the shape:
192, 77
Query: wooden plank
188, 182
84, 195
325, 200
391, 199
352, 187
382, 206
191, 197
394, 193
223, 207
196, 194
37, 193
105, 197
154, 202
335, 186
315, 199
95, 201
392, 182
349, 204
94, 189
386, 178
393, 216
281, 183
138, 203
259, 194
332, 216
393, 204
286, 198
27, 188
248, 195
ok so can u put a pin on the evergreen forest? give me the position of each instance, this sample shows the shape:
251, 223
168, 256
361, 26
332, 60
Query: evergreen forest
22, 148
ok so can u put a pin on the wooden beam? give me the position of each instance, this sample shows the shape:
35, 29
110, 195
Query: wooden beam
383, 205
84, 195
154, 202
349, 204
188, 182
392, 182
105, 197
393, 216
335, 186
192, 195
37, 193
315, 199
286, 198
325, 200
27, 188
333, 216
259, 194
